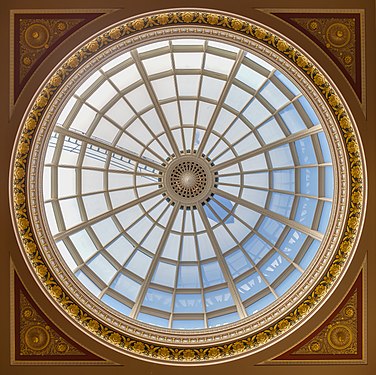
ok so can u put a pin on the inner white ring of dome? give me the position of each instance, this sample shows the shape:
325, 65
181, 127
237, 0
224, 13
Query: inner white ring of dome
191, 267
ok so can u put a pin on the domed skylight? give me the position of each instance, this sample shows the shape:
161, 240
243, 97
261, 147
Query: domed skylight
188, 184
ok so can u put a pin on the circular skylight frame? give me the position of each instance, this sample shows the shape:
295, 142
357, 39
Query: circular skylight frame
256, 340
144, 309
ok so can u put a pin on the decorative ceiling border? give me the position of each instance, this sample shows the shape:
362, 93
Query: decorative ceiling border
34, 34
170, 353
334, 20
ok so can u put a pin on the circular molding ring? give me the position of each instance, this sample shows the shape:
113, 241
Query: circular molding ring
188, 180
242, 341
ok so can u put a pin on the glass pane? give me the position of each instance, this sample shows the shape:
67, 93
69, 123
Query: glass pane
260, 304
188, 277
292, 243
249, 286
188, 251
256, 112
281, 203
292, 119
164, 88
255, 163
83, 244
218, 299
250, 77
116, 305
51, 218
189, 60
66, 182
309, 181
83, 119
236, 131
260, 179
237, 98
288, 282
158, 300
139, 263
218, 64
237, 263
249, 216
273, 95
309, 254
126, 286
188, 324
120, 112
259, 61
292, 88
309, 110
212, 274
325, 151
139, 98
152, 319
66, 255
157, 64
271, 229
271, 131
274, 267
305, 150
281, 156
205, 246
329, 182
225, 241
256, 248
188, 303
70, 212
105, 230
120, 249
306, 211
88, 283
126, 77
102, 267
102, 95
255, 196
94, 205
325, 216
284, 179
223, 319
188, 84
211, 88
91, 181
171, 249
164, 274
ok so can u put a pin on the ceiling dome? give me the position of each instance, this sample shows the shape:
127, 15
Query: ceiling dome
191, 189
188, 183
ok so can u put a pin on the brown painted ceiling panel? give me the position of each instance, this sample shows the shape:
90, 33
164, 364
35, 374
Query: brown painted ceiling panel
340, 338
36, 35
38, 340
338, 34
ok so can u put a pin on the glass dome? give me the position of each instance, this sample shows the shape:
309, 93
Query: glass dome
188, 183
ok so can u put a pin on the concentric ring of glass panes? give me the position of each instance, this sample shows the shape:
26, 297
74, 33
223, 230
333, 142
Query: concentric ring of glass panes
157, 261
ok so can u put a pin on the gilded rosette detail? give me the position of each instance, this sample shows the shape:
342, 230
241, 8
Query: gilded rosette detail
170, 352
37, 338
337, 35
38, 35
339, 336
